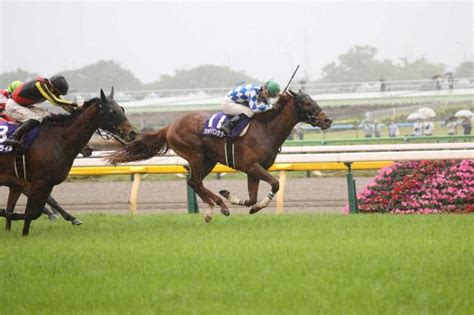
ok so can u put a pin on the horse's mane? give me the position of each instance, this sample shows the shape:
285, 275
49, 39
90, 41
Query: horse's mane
272, 114
65, 119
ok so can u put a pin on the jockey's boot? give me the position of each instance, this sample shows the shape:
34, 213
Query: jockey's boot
231, 123
15, 138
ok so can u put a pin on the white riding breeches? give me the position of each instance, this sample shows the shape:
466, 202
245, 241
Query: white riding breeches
231, 108
23, 113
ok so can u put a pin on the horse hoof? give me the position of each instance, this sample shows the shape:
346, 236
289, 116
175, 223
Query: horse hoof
225, 212
254, 210
76, 222
207, 218
52, 217
224, 193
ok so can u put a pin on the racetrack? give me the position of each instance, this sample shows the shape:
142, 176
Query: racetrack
315, 195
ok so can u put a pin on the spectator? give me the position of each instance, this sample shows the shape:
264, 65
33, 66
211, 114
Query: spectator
428, 128
377, 129
452, 126
298, 130
367, 129
382, 84
467, 125
393, 129
450, 80
418, 128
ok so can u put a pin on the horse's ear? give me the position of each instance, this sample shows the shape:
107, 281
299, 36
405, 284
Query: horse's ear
293, 93
112, 93
102, 96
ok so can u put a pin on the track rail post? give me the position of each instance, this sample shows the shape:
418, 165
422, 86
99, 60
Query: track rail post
280, 208
351, 189
134, 193
191, 194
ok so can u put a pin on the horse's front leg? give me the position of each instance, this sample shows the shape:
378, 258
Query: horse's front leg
37, 196
252, 184
257, 171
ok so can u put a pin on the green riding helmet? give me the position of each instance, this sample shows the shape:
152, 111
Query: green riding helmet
273, 88
13, 86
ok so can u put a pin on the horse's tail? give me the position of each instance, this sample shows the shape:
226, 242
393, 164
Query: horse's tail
149, 145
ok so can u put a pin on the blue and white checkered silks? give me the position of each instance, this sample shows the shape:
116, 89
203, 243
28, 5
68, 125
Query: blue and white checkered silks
247, 95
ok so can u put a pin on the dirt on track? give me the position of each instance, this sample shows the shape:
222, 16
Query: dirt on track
316, 194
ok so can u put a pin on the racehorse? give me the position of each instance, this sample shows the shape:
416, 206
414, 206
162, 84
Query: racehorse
255, 152
51, 155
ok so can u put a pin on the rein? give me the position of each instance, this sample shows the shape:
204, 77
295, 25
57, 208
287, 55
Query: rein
107, 135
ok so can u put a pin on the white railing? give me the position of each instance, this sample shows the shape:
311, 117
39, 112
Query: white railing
307, 157
310, 88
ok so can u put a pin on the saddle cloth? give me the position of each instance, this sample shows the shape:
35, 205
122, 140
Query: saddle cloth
7, 129
212, 126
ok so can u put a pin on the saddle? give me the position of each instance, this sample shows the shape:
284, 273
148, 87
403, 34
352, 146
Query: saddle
212, 126
7, 127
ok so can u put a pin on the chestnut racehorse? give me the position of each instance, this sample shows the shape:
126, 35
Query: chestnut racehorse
254, 153
52, 153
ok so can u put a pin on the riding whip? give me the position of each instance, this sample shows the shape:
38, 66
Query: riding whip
291, 79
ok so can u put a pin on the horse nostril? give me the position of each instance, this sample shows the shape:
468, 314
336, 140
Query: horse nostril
132, 135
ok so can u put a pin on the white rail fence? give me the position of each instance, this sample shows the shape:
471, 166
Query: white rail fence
306, 158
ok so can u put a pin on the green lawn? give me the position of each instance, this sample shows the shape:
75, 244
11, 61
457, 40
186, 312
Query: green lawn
262, 264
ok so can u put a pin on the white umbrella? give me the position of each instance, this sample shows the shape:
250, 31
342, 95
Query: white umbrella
414, 116
426, 112
464, 113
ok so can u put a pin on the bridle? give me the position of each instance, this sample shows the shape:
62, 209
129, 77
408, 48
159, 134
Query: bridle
306, 116
109, 124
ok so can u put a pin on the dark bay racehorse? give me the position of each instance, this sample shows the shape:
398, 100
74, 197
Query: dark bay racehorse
51, 155
255, 152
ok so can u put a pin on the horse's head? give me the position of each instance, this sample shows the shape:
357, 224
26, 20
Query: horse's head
113, 118
308, 110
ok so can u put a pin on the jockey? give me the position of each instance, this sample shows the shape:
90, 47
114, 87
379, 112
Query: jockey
13, 86
4, 96
244, 101
21, 107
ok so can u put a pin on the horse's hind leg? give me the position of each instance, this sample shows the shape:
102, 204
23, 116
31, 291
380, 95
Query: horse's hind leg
13, 196
252, 184
55, 205
51, 216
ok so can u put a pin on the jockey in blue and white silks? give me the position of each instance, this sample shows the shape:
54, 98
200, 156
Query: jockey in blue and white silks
246, 100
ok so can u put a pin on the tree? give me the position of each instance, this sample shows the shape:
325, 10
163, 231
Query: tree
7, 77
418, 69
465, 69
102, 74
201, 76
359, 64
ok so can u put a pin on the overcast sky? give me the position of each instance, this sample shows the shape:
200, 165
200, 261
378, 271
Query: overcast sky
265, 39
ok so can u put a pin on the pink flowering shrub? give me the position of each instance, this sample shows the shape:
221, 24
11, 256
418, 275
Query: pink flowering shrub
421, 187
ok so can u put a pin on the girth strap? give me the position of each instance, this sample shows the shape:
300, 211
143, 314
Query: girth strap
19, 163
229, 153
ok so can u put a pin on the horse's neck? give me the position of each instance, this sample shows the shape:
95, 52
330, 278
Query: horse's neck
280, 127
80, 131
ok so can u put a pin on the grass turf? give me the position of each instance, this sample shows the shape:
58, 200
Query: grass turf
289, 264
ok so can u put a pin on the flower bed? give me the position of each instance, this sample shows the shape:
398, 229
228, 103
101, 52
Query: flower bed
421, 187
